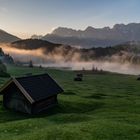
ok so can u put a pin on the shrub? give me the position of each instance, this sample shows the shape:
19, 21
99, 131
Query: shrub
3, 70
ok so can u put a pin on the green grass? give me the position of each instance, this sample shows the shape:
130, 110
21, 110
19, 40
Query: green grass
102, 107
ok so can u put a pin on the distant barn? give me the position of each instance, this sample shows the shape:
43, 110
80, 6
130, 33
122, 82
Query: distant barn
32, 94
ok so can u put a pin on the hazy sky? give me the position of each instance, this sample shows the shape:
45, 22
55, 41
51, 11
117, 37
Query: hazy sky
26, 17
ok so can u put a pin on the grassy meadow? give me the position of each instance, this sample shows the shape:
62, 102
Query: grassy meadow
102, 107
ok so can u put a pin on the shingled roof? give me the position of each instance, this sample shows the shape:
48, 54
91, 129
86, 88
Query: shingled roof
36, 87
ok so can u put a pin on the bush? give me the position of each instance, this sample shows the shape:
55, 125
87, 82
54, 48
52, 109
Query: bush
3, 70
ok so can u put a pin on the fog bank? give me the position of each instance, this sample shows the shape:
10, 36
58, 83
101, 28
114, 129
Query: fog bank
56, 59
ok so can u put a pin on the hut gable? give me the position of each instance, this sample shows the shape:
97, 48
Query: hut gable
32, 93
14, 99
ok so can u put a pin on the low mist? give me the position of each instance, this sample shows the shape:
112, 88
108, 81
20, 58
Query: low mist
56, 59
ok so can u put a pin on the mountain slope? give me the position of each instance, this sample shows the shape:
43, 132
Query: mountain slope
31, 44
7, 38
81, 42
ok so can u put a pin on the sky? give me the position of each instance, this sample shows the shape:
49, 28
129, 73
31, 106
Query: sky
24, 18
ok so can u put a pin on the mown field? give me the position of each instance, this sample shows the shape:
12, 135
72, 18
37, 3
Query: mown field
102, 107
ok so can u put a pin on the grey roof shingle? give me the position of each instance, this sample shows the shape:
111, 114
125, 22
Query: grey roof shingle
39, 87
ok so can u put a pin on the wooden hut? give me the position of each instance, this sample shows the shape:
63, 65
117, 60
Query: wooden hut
32, 94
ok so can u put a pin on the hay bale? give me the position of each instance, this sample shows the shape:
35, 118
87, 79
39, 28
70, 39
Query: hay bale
138, 78
78, 79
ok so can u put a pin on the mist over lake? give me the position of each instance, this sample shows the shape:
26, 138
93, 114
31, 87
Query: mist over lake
73, 60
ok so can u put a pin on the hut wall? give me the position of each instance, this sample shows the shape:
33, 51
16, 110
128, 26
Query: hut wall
44, 104
13, 99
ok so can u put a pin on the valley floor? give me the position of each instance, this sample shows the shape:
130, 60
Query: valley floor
101, 107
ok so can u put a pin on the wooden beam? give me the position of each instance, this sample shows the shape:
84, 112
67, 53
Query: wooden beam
6, 85
23, 91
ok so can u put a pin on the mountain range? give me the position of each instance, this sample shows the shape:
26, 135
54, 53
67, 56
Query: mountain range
88, 38
96, 37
